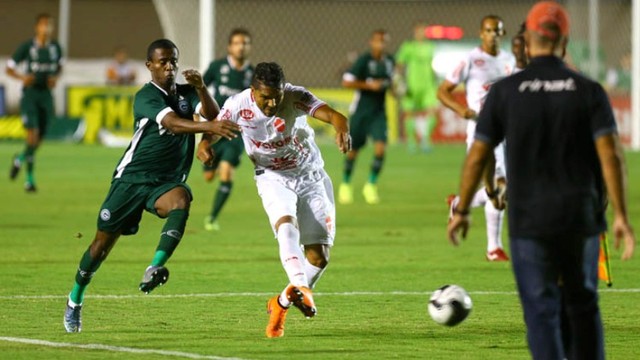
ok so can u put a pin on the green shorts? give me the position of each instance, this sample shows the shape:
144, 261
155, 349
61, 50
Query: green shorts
36, 107
122, 210
361, 124
419, 100
226, 150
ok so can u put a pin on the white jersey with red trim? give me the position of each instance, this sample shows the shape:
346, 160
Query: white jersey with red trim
283, 142
478, 71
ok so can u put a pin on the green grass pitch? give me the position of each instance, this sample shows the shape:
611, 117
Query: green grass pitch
371, 301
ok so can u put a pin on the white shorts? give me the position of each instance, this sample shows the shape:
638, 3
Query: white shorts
307, 197
498, 151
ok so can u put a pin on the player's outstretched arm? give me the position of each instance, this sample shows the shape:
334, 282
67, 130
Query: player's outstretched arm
445, 95
327, 114
615, 177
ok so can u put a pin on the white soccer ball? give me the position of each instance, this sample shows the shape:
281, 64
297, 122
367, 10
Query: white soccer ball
449, 305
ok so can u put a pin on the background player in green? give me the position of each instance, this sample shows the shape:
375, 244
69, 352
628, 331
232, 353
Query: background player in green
43, 58
229, 76
370, 76
152, 172
415, 80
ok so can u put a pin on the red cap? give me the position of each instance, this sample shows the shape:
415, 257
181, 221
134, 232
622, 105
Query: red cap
547, 13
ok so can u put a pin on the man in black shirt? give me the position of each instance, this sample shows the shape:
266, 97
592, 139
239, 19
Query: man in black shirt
562, 150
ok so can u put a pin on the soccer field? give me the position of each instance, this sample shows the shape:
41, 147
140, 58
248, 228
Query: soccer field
371, 301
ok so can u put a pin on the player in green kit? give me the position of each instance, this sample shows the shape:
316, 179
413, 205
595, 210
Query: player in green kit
228, 76
370, 76
152, 172
415, 76
43, 58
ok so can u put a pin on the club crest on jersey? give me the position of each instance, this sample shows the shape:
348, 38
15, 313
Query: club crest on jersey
183, 105
279, 124
246, 114
226, 115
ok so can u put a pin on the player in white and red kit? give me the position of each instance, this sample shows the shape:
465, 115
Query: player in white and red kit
296, 192
482, 67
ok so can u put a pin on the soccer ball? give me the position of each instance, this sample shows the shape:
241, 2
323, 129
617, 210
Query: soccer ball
449, 305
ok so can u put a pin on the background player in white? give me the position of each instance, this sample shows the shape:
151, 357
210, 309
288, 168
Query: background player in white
296, 192
482, 67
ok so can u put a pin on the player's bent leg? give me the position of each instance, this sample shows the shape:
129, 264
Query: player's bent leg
317, 259
174, 206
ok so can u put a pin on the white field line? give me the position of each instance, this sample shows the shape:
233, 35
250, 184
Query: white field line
113, 348
262, 294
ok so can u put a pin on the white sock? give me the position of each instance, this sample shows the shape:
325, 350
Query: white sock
480, 198
494, 226
313, 273
291, 254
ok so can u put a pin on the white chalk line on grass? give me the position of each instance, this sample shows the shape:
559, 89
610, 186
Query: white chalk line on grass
262, 294
113, 348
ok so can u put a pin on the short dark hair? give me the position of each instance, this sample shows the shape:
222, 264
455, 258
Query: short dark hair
43, 16
490, 17
268, 74
160, 44
239, 31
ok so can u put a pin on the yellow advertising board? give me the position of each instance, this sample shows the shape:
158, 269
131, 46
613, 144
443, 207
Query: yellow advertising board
111, 108
108, 107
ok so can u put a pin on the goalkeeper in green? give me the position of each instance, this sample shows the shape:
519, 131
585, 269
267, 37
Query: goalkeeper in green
415, 79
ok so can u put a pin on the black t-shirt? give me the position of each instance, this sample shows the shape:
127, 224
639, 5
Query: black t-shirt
550, 117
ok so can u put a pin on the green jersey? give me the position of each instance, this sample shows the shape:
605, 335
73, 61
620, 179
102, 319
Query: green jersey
155, 155
367, 68
226, 80
41, 61
417, 57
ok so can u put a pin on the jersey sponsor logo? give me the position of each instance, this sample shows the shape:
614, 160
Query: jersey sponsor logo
275, 144
224, 69
283, 163
301, 106
478, 62
105, 214
279, 124
246, 114
537, 85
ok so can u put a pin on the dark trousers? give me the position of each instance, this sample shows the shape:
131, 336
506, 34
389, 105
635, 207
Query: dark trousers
538, 265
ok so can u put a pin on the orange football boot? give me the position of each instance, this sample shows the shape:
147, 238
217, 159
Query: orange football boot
277, 316
302, 298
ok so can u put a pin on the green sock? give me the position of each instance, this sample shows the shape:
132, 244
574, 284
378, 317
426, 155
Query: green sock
29, 157
171, 235
376, 167
221, 197
87, 268
348, 170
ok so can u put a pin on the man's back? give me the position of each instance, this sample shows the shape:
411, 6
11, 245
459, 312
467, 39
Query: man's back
550, 117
